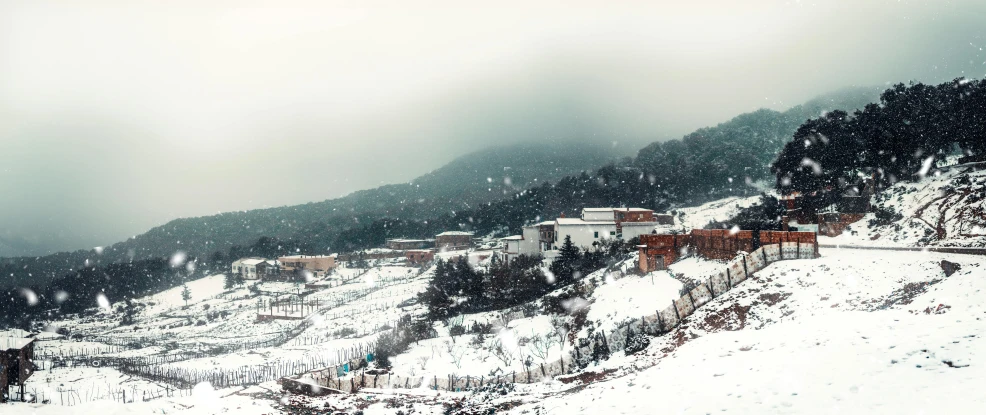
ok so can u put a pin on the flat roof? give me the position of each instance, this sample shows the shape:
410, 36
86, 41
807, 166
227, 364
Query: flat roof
306, 256
579, 221
455, 233
621, 209
8, 343
513, 238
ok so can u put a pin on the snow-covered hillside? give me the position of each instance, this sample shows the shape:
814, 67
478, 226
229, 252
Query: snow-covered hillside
943, 209
851, 331
718, 210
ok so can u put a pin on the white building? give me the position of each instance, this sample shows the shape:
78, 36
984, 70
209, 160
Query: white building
248, 267
512, 247
584, 234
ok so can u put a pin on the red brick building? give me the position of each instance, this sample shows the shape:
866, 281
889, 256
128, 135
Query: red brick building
419, 256
453, 240
657, 252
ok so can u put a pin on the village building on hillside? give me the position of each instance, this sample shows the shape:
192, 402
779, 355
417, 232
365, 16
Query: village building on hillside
511, 247
318, 265
594, 226
402, 244
584, 233
658, 251
419, 256
537, 238
16, 364
256, 268
453, 240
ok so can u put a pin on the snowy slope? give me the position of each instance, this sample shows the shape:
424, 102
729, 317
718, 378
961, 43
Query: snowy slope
718, 210
848, 332
944, 209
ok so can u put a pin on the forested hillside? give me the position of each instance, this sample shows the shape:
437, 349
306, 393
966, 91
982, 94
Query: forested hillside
477, 178
711, 163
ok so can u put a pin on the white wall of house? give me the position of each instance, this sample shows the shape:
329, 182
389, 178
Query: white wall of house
598, 214
583, 233
529, 246
634, 229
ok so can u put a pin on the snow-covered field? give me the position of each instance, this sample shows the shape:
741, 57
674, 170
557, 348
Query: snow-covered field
855, 331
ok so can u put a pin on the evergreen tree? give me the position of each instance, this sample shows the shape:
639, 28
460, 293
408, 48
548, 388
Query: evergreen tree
186, 294
229, 280
568, 261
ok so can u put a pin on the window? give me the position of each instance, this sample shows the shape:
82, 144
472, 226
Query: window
595, 234
612, 233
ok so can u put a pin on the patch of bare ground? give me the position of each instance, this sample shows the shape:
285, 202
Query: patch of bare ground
903, 295
770, 299
729, 318
587, 377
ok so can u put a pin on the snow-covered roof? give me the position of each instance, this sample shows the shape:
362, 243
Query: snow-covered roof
252, 261
455, 233
513, 238
410, 240
579, 221
273, 262
610, 209
8, 343
305, 256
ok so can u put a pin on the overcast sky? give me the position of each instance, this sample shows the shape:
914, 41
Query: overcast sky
117, 116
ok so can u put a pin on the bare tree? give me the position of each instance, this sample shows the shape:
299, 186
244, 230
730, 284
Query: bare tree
560, 332
503, 353
540, 346
456, 352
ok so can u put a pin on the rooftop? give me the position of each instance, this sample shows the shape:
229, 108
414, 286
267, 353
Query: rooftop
455, 233
622, 209
579, 221
9, 343
252, 261
513, 238
305, 256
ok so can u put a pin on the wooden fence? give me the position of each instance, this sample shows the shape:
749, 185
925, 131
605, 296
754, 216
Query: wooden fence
663, 321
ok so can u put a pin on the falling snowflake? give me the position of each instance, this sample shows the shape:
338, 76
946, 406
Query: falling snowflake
178, 259
816, 168
30, 296
102, 301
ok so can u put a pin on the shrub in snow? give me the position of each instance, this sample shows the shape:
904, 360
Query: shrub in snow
456, 331
481, 328
635, 343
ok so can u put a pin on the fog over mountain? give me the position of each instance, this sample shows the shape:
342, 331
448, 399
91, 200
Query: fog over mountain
118, 118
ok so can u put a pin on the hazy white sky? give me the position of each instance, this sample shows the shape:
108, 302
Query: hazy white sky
116, 116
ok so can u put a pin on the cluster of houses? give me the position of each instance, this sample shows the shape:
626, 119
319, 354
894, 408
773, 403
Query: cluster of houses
594, 226
283, 268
